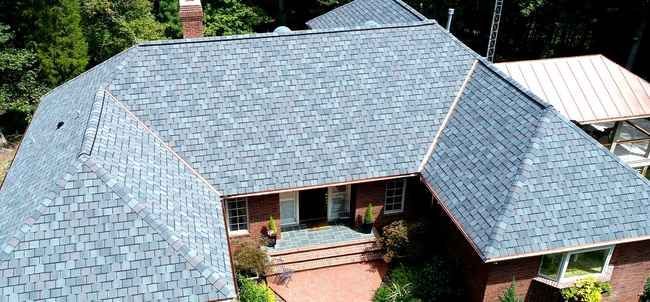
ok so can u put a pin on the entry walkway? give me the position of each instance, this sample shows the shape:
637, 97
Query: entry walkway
344, 283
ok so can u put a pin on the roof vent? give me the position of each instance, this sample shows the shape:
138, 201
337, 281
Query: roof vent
371, 23
282, 30
59, 125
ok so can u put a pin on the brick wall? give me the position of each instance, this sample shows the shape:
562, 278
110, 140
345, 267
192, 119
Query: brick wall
417, 199
631, 263
259, 210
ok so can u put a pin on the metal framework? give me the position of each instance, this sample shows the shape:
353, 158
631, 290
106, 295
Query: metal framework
641, 164
494, 30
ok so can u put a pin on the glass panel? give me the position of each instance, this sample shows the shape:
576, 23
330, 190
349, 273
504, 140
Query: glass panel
550, 266
339, 203
237, 216
288, 211
586, 263
394, 191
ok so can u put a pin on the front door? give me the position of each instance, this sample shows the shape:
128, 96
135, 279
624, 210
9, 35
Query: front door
288, 208
338, 203
312, 205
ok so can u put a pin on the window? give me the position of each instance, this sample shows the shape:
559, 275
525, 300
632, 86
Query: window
237, 211
574, 265
394, 202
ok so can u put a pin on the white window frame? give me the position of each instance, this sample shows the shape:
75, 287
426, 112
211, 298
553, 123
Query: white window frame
565, 263
237, 232
401, 208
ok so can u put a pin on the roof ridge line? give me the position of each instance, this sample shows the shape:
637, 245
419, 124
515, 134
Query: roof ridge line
445, 121
92, 123
329, 11
410, 9
541, 103
175, 242
159, 140
516, 185
268, 35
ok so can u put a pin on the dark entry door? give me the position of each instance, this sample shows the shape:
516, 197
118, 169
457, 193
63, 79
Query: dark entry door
313, 205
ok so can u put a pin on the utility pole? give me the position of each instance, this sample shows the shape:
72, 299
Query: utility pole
494, 30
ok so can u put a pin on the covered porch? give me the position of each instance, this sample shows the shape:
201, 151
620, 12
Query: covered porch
304, 236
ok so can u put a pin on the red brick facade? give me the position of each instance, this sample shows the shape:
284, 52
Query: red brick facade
191, 15
631, 263
260, 208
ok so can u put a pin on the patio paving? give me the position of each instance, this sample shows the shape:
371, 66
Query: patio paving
325, 235
344, 283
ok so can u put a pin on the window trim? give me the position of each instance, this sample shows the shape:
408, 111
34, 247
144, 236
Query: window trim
237, 232
401, 208
564, 263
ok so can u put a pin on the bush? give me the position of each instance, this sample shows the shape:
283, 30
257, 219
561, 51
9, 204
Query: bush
427, 281
272, 226
510, 295
646, 291
408, 240
395, 240
251, 291
250, 260
586, 290
367, 216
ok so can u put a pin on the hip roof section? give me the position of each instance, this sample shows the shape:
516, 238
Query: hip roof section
521, 179
277, 111
358, 12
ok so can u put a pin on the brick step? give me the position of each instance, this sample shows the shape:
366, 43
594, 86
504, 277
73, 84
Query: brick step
334, 251
323, 262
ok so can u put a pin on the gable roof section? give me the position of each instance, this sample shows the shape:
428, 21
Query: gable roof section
280, 111
358, 12
521, 179
113, 213
586, 89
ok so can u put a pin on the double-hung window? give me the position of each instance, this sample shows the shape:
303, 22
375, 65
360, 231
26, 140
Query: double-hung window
394, 198
568, 267
237, 211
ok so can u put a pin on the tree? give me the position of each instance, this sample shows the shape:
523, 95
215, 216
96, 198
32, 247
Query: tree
166, 12
114, 25
56, 36
20, 88
232, 17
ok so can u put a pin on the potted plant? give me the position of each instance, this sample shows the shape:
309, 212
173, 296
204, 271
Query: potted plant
368, 220
271, 232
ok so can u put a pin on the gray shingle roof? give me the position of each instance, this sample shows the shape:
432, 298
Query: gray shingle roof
271, 111
358, 12
101, 209
522, 179
172, 121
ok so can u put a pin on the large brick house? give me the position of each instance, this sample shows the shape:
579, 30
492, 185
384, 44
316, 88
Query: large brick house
135, 178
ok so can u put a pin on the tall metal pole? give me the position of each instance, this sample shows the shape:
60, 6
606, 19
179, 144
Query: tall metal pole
494, 30
450, 15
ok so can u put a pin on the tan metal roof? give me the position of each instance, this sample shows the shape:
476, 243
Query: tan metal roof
586, 89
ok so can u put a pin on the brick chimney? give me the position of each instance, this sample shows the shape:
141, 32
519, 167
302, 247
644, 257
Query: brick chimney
191, 15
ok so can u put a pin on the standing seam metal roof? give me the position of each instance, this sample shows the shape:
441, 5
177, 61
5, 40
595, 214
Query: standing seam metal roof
586, 89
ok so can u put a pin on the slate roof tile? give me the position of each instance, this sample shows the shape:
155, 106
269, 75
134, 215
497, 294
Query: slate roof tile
358, 12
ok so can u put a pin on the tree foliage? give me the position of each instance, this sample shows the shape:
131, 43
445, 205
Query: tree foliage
166, 12
57, 38
20, 88
114, 25
231, 17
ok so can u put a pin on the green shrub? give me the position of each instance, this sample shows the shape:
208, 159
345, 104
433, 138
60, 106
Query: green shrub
250, 259
251, 291
510, 295
395, 240
367, 216
272, 226
395, 292
429, 281
381, 295
586, 290
646, 291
